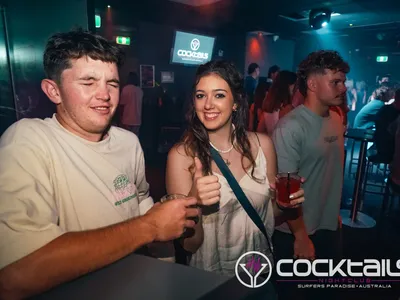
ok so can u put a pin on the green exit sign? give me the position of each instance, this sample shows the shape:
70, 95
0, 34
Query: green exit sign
123, 40
97, 19
381, 58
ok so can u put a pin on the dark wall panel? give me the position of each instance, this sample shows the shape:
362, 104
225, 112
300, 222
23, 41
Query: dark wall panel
30, 23
7, 105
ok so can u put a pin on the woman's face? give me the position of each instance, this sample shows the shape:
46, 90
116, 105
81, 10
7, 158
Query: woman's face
213, 102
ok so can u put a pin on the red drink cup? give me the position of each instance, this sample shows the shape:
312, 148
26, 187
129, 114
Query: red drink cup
286, 184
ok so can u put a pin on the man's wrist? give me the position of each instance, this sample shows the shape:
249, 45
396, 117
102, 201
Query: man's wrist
301, 235
147, 228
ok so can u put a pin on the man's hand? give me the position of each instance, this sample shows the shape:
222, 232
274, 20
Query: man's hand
304, 248
205, 188
170, 218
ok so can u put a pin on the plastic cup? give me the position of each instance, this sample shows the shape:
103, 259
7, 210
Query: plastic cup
286, 184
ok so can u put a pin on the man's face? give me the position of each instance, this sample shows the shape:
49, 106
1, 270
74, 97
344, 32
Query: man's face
330, 87
89, 95
257, 72
273, 75
385, 79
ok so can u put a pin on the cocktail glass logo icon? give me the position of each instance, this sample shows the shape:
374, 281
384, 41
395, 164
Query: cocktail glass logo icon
250, 266
195, 44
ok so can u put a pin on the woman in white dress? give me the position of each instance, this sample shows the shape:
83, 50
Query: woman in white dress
217, 118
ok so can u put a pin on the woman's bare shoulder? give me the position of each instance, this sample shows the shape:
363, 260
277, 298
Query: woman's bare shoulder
179, 156
259, 139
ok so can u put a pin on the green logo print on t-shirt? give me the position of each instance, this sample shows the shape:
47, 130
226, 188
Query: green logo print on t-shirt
124, 189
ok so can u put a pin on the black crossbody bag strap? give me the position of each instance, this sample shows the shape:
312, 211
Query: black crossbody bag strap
240, 195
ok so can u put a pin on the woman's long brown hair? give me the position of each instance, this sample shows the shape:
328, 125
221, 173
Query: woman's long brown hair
278, 94
195, 139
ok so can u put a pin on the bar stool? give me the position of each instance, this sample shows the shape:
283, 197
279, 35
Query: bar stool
381, 166
353, 160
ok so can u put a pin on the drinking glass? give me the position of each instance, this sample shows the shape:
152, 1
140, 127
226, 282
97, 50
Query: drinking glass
286, 184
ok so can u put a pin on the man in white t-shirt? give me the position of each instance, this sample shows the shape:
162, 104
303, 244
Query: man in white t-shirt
73, 192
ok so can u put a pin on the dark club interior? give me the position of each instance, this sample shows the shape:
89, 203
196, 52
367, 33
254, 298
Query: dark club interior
166, 45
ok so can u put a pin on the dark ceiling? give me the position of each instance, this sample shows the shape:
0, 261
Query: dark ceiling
369, 20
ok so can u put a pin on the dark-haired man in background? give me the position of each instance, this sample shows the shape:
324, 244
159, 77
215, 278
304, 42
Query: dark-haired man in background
73, 192
384, 80
366, 117
251, 81
310, 140
273, 71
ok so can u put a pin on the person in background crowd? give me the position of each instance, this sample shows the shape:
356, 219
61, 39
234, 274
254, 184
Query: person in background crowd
298, 98
251, 82
384, 81
73, 192
278, 101
309, 140
131, 102
361, 88
365, 119
273, 71
256, 108
217, 119
383, 139
351, 95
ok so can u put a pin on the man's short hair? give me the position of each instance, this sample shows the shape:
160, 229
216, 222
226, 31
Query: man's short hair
273, 70
384, 93
316, 63
61, 48
252, 67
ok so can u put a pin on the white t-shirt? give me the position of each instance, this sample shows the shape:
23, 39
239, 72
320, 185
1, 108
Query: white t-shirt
52, 182
131, 99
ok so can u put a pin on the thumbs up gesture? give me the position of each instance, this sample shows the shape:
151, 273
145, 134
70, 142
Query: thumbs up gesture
205, 188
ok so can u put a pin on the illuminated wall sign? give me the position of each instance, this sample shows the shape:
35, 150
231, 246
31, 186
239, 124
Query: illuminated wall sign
381, 58
97, 19
192, 49
123, 40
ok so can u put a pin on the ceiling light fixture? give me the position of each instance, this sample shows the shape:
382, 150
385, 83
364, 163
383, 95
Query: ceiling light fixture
319, 18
